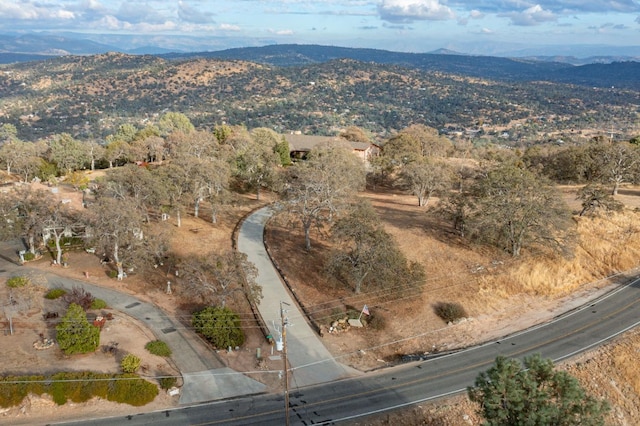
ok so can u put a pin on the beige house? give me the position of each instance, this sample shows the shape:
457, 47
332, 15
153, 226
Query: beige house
300, 145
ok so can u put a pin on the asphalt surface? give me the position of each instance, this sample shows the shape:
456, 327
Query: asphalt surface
344, 401
205, 378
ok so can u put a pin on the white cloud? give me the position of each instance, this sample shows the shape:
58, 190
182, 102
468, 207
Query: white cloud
191, 14
136, 13
33, 11
414, 10
487, 31
281, 32
230, 27
532, 16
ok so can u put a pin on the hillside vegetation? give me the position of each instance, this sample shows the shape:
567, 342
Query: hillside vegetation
90, 96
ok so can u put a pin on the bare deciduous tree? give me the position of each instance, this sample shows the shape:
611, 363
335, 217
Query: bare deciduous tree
515, 208
318, 188
216, 278
366, 257
425, 177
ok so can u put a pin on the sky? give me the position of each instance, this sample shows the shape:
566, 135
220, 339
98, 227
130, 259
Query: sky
399, 25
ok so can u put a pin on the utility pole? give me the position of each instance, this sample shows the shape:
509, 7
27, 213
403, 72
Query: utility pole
284, 321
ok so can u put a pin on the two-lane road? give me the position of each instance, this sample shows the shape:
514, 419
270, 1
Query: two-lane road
345, 400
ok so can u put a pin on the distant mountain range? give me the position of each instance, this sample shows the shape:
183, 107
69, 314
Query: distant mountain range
70, 43
601, 72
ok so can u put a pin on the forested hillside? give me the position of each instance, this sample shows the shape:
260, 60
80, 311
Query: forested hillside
89, 96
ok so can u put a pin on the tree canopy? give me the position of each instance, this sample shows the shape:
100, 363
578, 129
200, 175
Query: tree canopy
515, 208
533, 394
74, 333
320, 187
366, 257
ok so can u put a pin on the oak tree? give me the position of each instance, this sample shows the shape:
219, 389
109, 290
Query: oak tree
215, 279
366, 257
320, 187
515, 208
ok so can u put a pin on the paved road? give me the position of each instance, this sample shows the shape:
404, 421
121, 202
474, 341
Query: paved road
205, 377
310, 361
345, 400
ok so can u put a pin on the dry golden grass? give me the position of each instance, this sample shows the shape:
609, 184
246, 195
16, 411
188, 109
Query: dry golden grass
496, 289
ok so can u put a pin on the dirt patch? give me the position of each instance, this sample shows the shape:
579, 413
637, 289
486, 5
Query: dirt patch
19, 356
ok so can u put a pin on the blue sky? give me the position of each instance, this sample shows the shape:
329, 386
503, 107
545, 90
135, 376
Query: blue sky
401, 25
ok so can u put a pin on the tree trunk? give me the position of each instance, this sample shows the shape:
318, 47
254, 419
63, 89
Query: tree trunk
32, 244
258, 193
307, 236
58, 248
616, 186
93, 164
116, 259
196, 208
179, 217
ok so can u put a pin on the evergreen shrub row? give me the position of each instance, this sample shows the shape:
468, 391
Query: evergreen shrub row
78, 386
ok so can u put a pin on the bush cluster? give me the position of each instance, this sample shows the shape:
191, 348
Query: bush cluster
78, 386
167, 383
130, 363
28, 256
220, 326
377, 322
80, 297
15, 282
55, 293
98, 304
450, 311
158, 347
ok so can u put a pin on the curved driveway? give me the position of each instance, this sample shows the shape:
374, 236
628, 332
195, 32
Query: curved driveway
205, 377
310, 361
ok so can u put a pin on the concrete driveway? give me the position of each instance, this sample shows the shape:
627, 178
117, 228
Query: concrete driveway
310, 361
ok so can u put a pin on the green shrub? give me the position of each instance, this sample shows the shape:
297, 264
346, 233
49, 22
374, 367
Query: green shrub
13, 389
167, 383
131, 389
75, 334
15, 282
130, 363
66, 242
78, 386
220, 326
450, 311
28, 256
98, 304
112, 274
55, 293
158, 347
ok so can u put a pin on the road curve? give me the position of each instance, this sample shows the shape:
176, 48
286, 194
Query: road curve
344, 400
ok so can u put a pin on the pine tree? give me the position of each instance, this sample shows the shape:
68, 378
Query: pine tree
534, 394
74, 333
